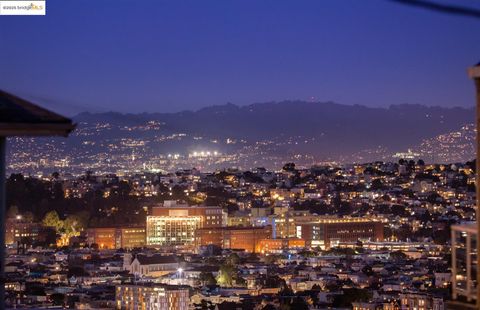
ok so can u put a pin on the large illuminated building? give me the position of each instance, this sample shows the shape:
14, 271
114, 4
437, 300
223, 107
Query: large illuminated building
18, 231
174, 224
329, 232
284, 221
161, 297
242, 238
116, 237
104, 237
266, 246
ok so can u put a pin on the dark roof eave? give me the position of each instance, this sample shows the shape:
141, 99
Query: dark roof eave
40, 129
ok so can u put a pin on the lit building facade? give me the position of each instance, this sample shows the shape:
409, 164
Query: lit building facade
419, 301
284, 222
131, 237
464, 261
104, 237
18, 231
141, 297
244, 238
172, 230
239, 220
116, 237
278, 245
283, 226
175, 225
326, 233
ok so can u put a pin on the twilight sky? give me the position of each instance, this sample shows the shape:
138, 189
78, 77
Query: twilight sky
152, 55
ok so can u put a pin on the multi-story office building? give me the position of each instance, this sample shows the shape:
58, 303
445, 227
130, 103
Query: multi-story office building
131, 237
116, 237
160, 297
104, 237
244, 238
284, 221
19, 231
328, 232
283, 225
278, 245
175, 225
170, 231
239, 219
464, 261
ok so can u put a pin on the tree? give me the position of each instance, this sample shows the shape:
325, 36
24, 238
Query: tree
233, 259
289, 301
398, 255
52, 219
274, 282
239, 281
57, 299
368, 271
349, 296
76, 271
377, 184
226, 275
289, 167
71, 226
299, 303
272, 259
122, 190
207, 278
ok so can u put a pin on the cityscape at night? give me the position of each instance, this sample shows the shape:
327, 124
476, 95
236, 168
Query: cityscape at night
239, 155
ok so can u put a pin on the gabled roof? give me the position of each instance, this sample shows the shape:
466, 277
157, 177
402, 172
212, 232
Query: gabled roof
19, 117
156, 259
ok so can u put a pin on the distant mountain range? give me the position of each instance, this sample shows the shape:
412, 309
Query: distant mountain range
338, 129
325, 131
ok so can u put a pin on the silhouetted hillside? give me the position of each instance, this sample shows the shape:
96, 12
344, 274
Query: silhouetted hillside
336, 128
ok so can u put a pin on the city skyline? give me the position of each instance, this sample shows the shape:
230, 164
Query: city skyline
271, 155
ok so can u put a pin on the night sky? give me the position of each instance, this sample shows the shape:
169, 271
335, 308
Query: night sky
136, 56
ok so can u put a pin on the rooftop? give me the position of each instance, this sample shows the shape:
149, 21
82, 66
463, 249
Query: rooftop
156, 259
19, 117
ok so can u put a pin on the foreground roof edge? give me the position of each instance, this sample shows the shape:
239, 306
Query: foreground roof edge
38, 121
